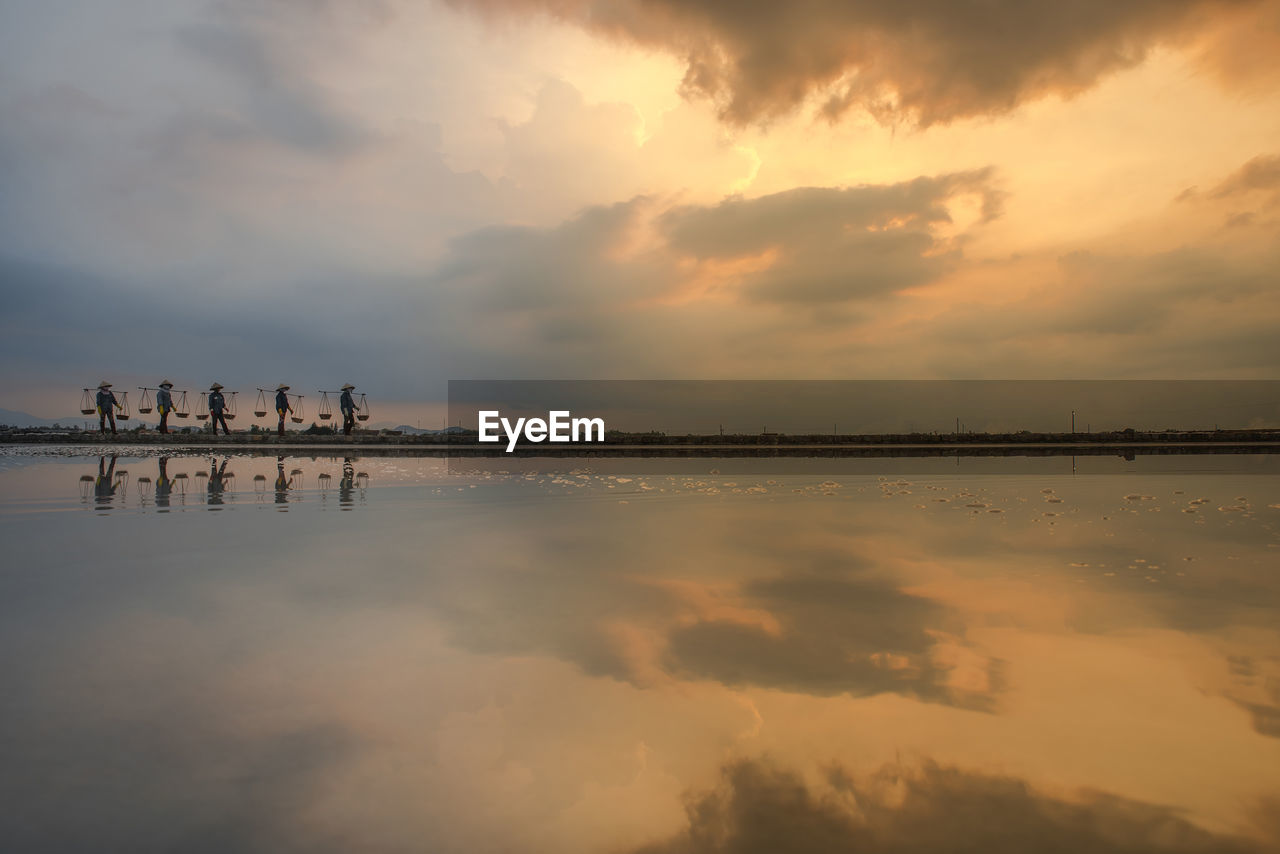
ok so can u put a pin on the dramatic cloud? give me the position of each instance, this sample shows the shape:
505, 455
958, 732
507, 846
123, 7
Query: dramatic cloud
832, 244
448, 198
931, 62
760, 808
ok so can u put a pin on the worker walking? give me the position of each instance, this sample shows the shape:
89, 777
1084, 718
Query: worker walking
348, 408
164, 405
217, 408
282, 405
107, 406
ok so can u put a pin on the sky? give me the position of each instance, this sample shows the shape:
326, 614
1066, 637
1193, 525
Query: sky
396, 194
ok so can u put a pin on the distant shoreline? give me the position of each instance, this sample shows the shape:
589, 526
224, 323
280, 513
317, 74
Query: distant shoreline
1124, 443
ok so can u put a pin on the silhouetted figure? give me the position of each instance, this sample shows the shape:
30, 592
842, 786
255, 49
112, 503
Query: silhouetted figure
348, 408
217, 408
347, 484
164, 405
282, 406
104, 488
282, 483
107, 406
164, 486
217, 482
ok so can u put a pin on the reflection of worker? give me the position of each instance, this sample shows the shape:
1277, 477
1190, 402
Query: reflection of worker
217, 406
164, 405
347, 483
107, 406
163, 485
282, 483
282, 405
104, 488
348, 408
217, 482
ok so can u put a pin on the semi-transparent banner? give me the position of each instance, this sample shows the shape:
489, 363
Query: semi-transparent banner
560, 422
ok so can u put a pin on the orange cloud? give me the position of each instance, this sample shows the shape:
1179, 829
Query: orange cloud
927, 62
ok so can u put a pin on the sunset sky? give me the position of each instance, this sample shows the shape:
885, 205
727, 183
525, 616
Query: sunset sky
399, 193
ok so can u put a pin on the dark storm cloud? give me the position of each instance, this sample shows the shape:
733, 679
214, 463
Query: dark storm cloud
833, 244
931, 61
574, 286
758, 807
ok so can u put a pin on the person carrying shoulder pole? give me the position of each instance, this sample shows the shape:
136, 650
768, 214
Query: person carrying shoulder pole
348, 408
217, 405
164, 405
282, 405
107, 406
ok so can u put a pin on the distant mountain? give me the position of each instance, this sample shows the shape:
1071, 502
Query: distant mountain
13, 418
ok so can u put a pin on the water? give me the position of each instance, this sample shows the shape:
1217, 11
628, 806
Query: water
387, 655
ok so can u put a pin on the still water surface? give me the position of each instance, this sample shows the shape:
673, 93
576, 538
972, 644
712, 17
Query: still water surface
381, 654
